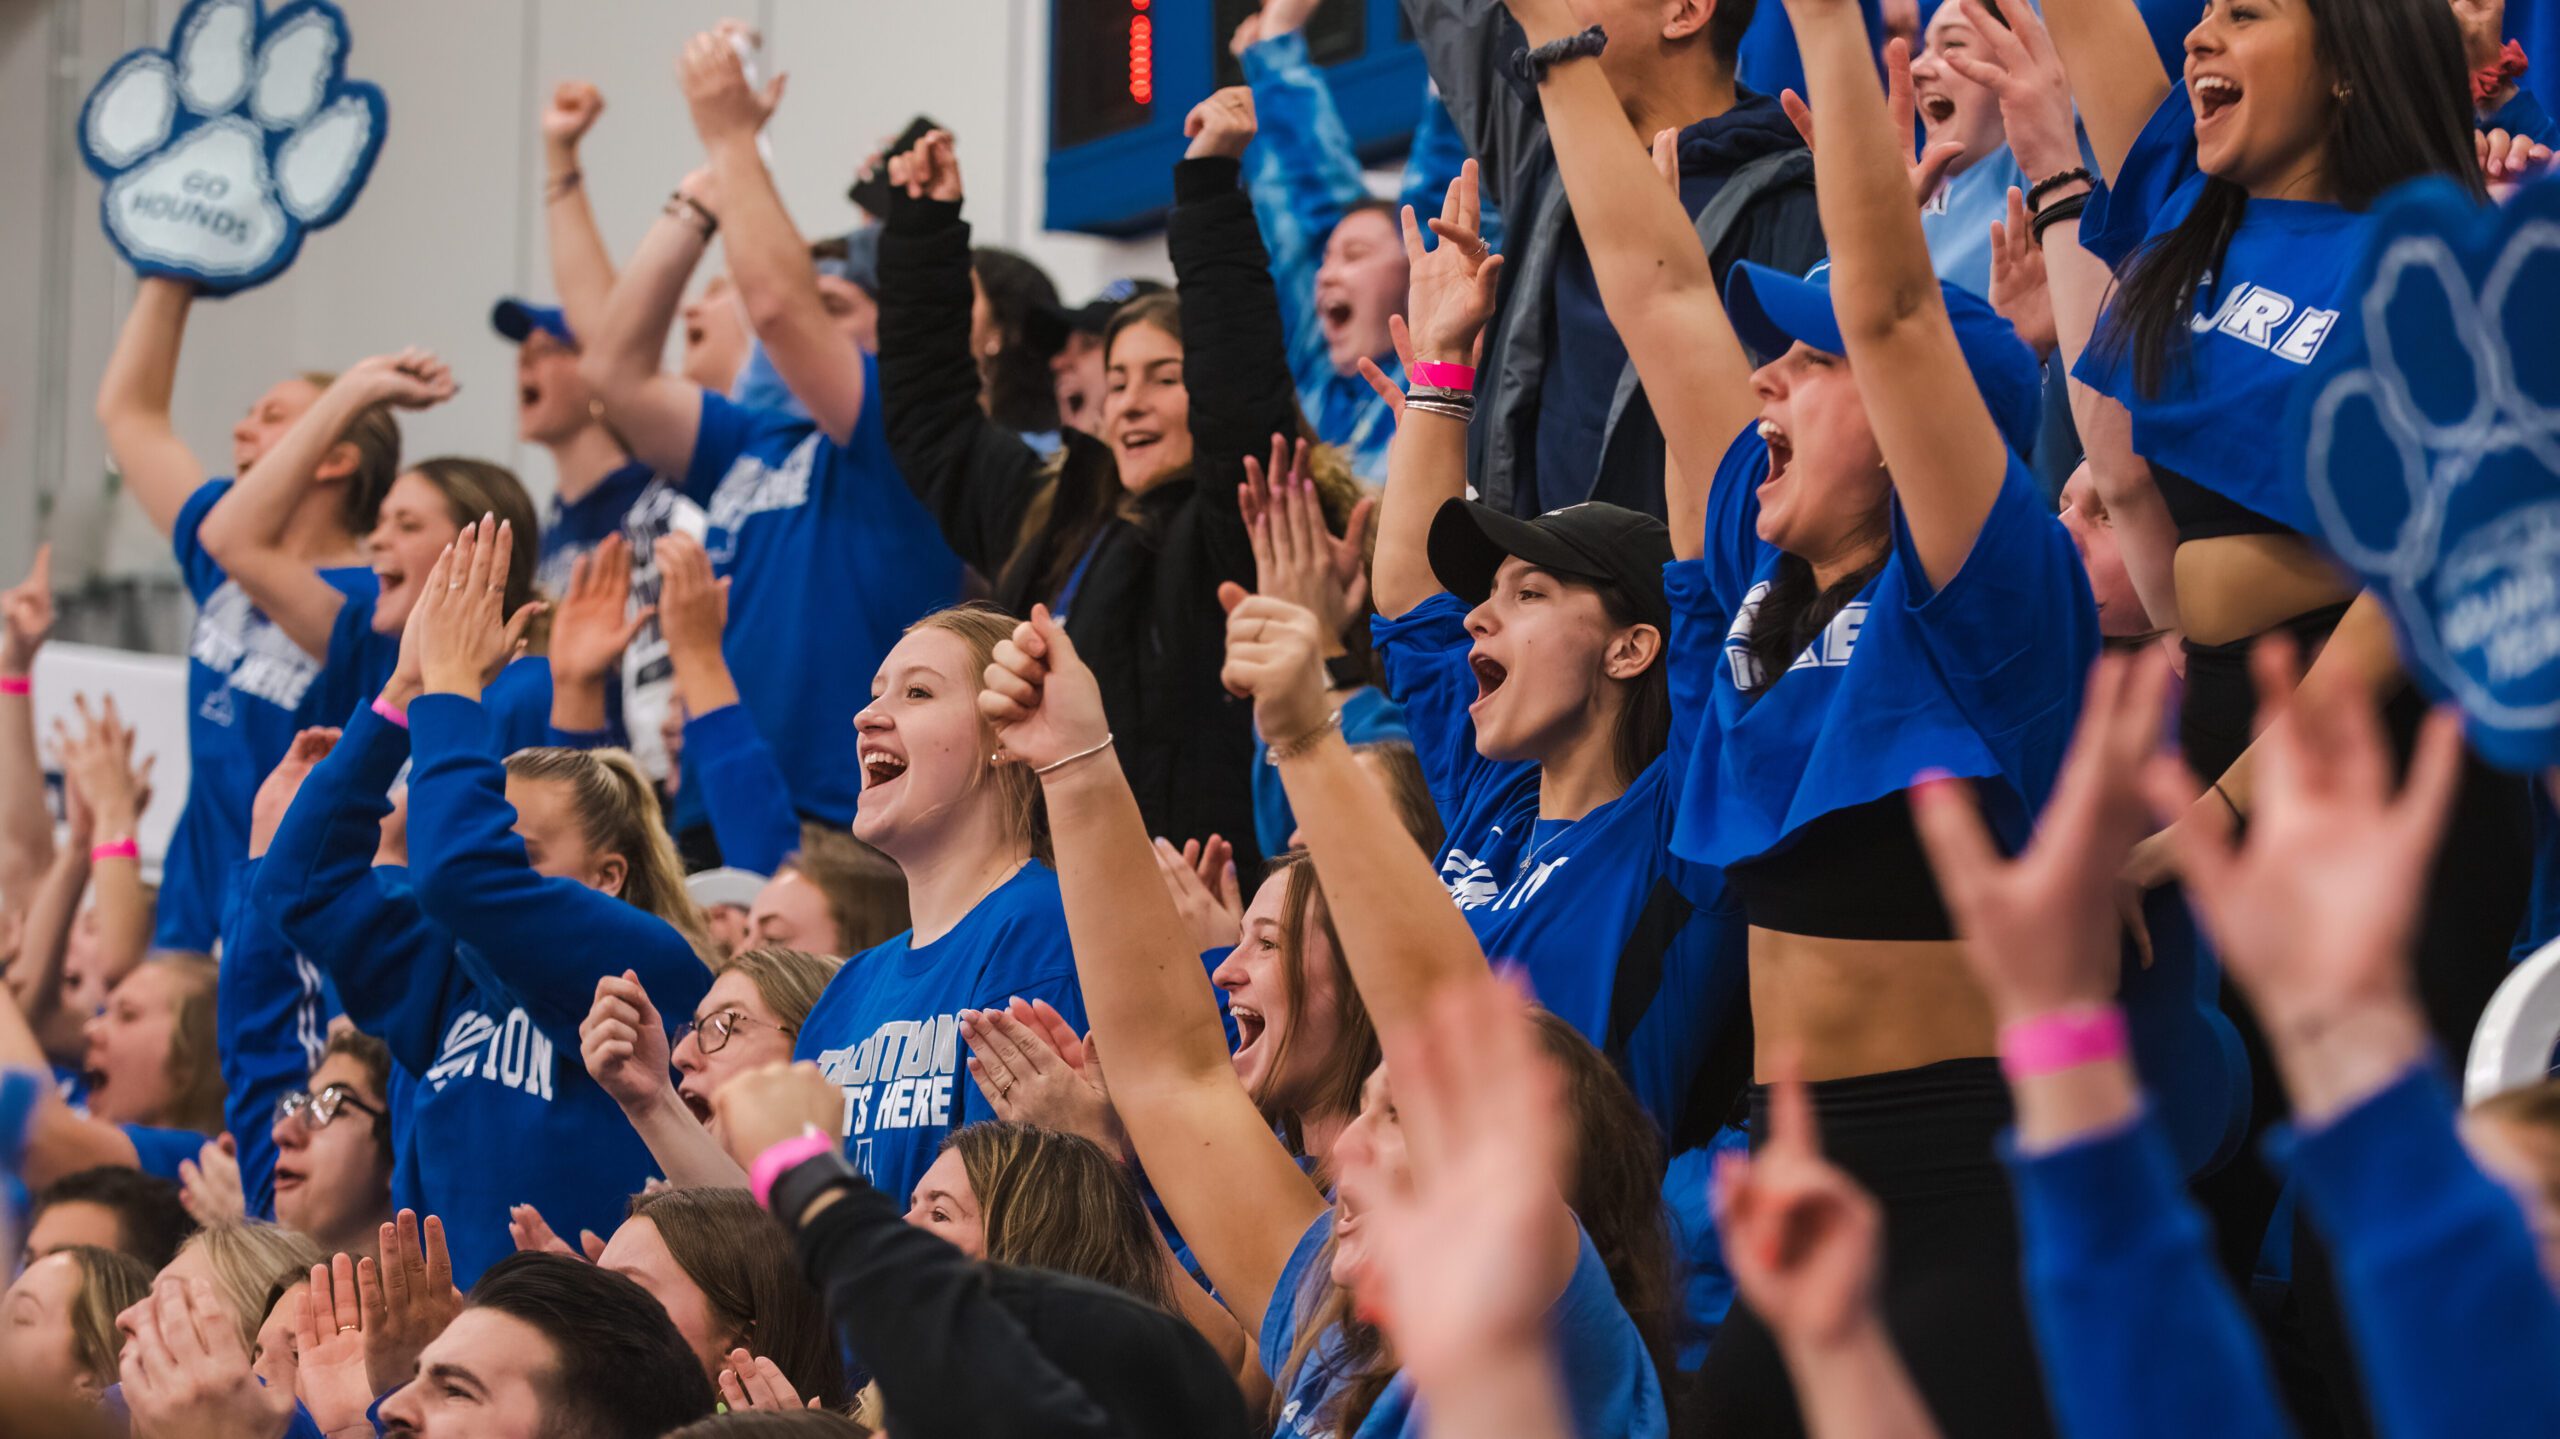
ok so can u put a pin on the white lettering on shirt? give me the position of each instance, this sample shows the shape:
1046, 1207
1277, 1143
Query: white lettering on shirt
1830, 649
250, 652
754, 488
512, 1052
2252, 313
900, 1077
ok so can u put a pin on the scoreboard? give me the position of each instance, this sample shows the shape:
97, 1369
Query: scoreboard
1124, 73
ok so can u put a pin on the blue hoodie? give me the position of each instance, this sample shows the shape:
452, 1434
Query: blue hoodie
490, 1104
273, 1008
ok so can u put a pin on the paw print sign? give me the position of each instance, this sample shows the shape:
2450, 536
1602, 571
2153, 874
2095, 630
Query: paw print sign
220, 151
2429, 443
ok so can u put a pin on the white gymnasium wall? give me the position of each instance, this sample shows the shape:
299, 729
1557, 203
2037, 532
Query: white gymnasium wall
453, 216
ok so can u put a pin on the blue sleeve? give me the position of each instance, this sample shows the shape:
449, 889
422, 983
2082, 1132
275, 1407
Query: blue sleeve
274, 1019
1425, 654
2525, 116
364, 658
1303, 176
1279, 1337
2015, 631
549, 939
2153, 189
1768, 60
720, 436
743, 790
2454, 1323
316, 885
1693, 655
2141, 1334
1733, 545
1611, 1385
158, 1152
202, 575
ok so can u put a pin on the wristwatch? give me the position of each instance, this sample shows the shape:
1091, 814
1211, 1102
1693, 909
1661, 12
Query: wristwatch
801, 1184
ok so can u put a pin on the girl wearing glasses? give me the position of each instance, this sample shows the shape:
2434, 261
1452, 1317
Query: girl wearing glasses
750, 1019
333, 1148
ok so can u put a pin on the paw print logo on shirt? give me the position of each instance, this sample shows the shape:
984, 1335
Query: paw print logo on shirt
2429, 445
221, 150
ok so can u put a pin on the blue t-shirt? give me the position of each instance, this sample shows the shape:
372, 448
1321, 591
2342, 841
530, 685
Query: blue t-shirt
1981, 679
1368, 717
1611, 1390
887, 1029
250, 689
273, 1009
158, 1152
832, 558
576, 527
1620, 937
1957, 220
2259, 320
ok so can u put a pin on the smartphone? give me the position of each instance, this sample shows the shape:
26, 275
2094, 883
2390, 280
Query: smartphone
871, 188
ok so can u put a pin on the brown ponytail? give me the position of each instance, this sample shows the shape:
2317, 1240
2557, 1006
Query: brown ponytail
618, 814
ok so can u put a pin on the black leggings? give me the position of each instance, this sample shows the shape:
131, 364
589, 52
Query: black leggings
1919, 1140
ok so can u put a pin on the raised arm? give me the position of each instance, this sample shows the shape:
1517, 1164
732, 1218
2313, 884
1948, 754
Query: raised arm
1401, 939
657, 414
1232, 1188
1451, 302
551, 938
247, 530
2140, 1332
133, 402
1946, 456
1302, 172
1242, 394
1467, 45
768, 259
581, 267
623, 1043
2115, 72
26, 830
100, 760
975, 477
1654, 276
744, 791
59, 1141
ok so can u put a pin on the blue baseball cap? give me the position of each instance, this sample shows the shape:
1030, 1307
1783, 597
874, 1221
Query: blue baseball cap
860, 263
1772, 310
517, 320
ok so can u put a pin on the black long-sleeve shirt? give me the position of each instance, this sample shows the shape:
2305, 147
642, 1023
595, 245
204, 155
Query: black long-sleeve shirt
1146, 613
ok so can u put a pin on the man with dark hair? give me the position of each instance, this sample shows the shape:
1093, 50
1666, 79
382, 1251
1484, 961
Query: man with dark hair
549, 1345
1559, 416
112, 1207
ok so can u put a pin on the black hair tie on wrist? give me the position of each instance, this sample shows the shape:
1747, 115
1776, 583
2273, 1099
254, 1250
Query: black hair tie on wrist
1532, 65
2051, 183
2066, 208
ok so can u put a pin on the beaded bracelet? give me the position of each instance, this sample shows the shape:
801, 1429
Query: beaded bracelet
2051, 183
692, 211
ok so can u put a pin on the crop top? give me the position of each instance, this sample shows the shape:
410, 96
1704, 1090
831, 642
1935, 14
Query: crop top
1854, 873
2202, 513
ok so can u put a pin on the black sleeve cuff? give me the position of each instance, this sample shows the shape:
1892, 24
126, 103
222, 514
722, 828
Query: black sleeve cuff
1206, 178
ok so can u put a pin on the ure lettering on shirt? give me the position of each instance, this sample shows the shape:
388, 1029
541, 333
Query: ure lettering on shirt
1472, 884
753, 488
901, 1077
511, 1051
2259, 315
254, 657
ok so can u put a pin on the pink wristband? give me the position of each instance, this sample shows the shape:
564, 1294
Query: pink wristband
16, 685
2064, 1039
125, 848
781, 1158
1446, 377
391, 712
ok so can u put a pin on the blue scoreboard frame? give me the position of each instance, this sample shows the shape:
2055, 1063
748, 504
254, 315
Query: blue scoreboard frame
1124, 73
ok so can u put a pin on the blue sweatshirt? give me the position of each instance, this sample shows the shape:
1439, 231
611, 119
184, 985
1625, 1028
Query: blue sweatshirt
887, 1029
273, 1008
2140, 1333
2455, 1326
490, 1104
250, 689
743, 790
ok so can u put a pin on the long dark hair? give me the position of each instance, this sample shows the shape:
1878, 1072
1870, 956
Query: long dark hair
1644, 725
1795, 608
1020, 394
2403, 111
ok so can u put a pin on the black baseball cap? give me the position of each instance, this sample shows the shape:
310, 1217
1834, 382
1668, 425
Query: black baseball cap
1049, 327
1602, 543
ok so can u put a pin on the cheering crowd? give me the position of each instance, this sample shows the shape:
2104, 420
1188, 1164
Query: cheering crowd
1729, 802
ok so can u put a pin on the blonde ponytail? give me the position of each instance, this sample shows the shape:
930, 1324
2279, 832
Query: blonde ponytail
618, 814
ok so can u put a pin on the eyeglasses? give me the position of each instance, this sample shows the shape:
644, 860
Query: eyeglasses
316, 1110
712, 1035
